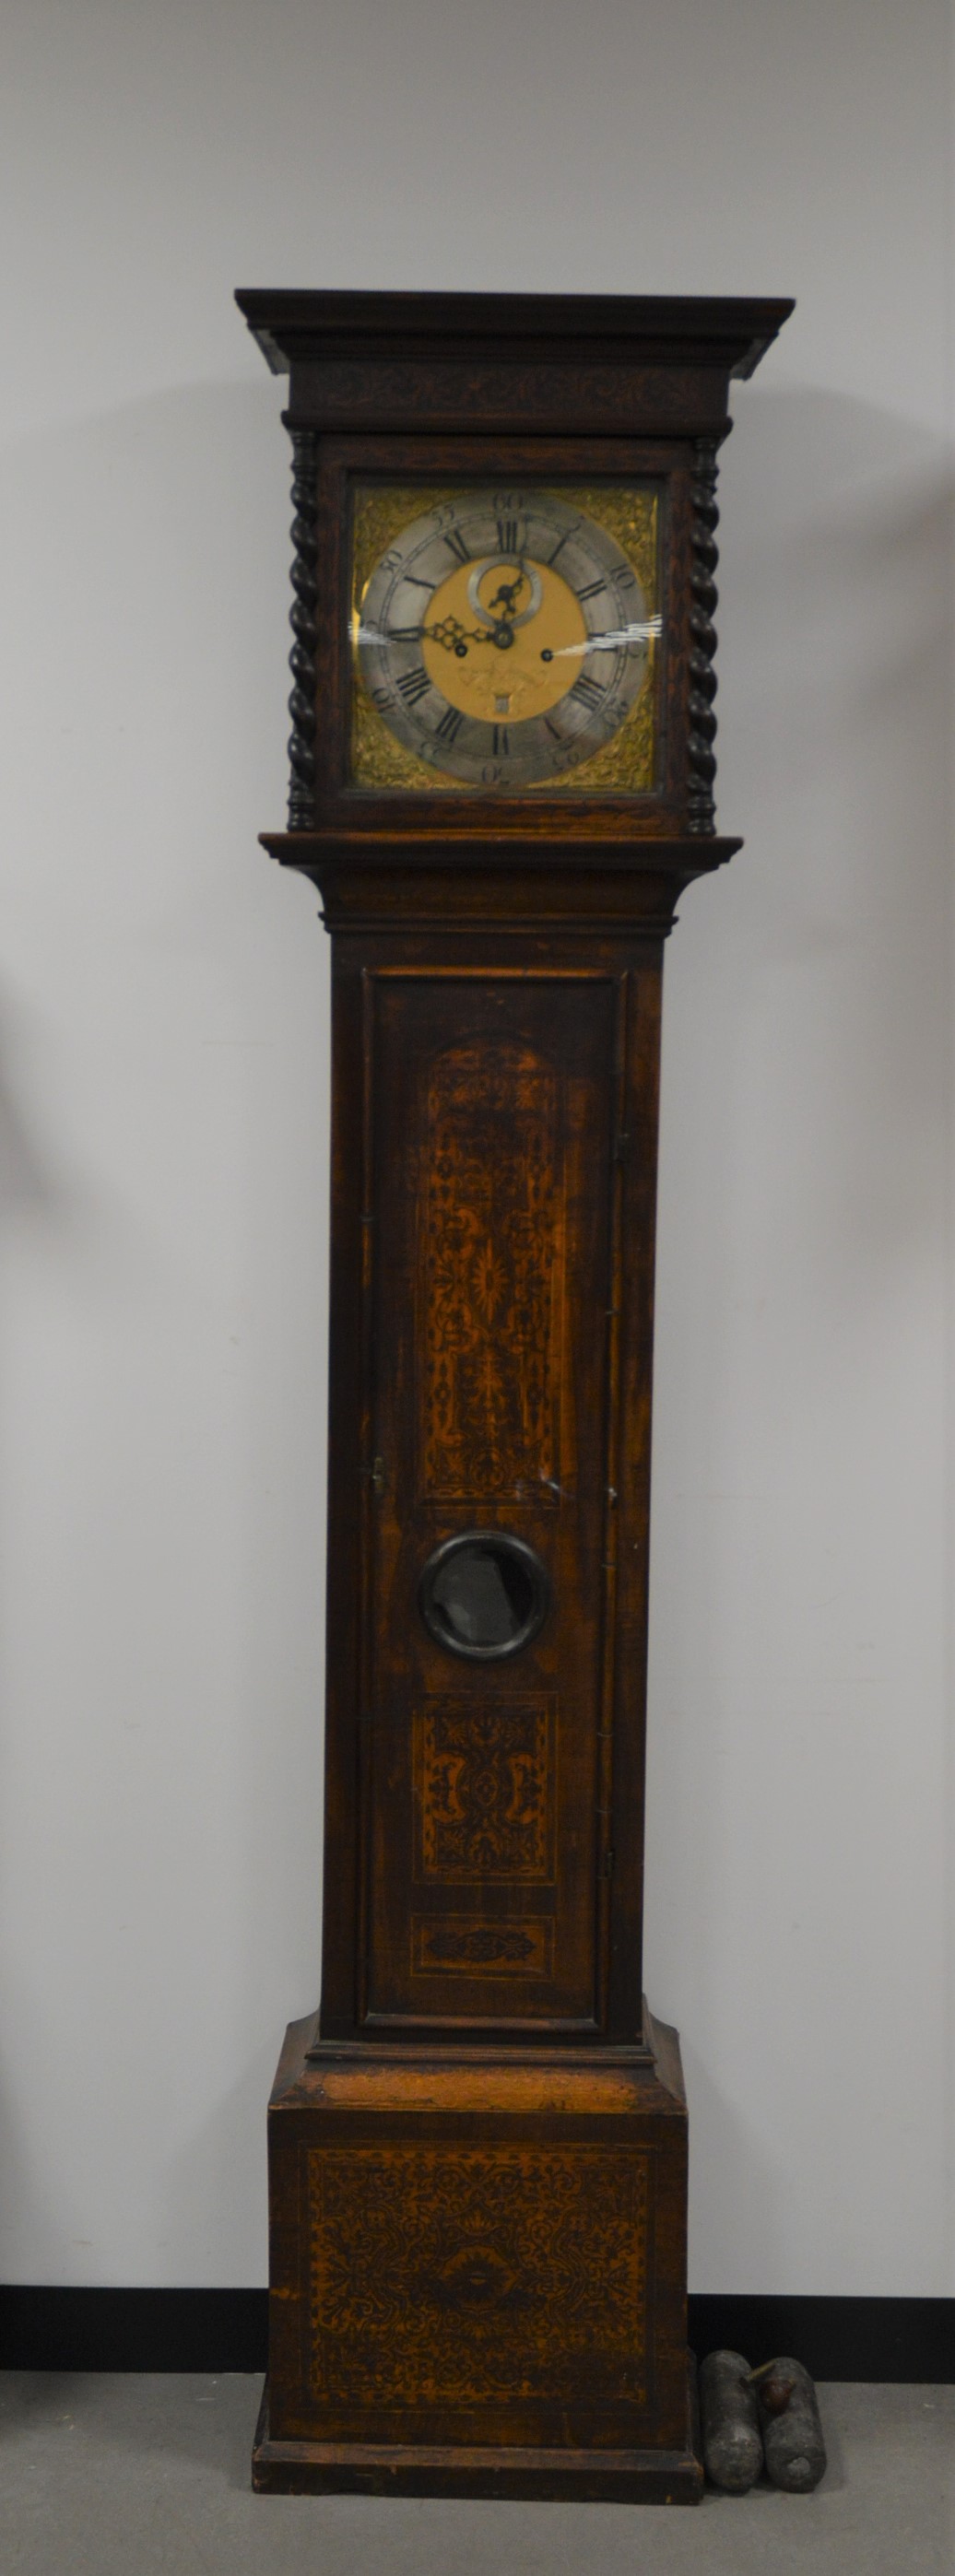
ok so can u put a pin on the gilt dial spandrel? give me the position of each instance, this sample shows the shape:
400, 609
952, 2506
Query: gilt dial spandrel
505, 637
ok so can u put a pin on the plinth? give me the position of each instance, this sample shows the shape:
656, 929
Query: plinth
477, 2278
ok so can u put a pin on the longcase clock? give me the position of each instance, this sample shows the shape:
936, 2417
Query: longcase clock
501, 781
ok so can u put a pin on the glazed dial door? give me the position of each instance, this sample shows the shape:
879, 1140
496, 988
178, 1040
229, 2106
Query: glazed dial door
503, 637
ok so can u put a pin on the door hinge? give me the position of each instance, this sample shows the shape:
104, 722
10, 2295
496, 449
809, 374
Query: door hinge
378, 1476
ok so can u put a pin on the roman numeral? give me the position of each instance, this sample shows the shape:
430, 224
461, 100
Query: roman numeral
404, 634
588, 692
593, 589
561, 541
417, 583
456, 545
413, 684
555, 732
450, 725
502, 741
507, 536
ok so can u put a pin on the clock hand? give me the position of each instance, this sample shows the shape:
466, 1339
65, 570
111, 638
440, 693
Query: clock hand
506, 597
455, 638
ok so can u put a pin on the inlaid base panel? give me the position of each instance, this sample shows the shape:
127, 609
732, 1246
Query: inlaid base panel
478, 2274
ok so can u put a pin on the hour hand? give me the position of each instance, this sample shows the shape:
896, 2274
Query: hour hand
454, 637
448, 632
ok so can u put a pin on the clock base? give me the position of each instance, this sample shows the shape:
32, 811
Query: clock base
535, 2476
478, 2274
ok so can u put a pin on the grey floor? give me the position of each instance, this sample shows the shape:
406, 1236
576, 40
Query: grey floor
124, 2476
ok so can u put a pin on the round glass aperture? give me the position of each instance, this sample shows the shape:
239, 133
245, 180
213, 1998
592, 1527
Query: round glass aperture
484, 1594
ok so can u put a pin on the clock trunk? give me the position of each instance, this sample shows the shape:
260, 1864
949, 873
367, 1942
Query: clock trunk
496, 1279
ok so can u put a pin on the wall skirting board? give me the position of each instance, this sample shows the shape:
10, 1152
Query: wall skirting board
223, 2330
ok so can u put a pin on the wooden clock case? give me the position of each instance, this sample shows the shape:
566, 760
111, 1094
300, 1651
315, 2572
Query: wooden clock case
477, 2154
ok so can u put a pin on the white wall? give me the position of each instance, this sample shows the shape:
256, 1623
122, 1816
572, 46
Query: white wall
164, 1091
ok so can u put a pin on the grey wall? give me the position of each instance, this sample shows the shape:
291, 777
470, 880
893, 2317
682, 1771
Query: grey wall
163, 1091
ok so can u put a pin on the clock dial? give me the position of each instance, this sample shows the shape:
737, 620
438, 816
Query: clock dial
503, 637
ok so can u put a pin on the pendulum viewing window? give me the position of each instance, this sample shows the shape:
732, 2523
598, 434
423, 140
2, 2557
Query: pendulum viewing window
484, 1595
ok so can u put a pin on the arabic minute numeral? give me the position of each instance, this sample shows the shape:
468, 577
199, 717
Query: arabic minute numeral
413, 684
587, 692
450, 725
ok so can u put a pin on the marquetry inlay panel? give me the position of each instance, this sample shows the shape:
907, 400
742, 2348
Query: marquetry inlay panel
492, 1233
460, 2274
484, 1783
468, 1945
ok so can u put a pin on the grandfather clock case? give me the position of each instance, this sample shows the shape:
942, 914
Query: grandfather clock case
501, 782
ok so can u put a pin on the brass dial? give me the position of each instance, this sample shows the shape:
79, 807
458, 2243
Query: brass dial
503, 637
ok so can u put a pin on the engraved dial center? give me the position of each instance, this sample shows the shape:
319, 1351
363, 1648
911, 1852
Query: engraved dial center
540, 616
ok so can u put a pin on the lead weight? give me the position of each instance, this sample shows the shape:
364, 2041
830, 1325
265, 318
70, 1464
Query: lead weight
729, 2417
793, 2444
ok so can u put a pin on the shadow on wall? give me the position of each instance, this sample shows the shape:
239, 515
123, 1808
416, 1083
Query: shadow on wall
799, 1599
160, 1630
35, 1191
29, 1184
